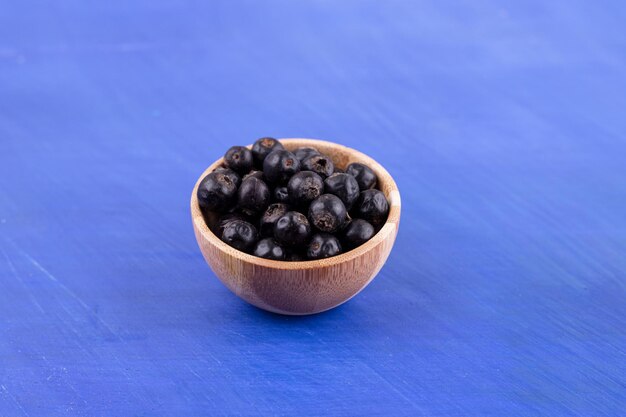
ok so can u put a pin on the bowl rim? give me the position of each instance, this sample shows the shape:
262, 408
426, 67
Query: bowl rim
390, 226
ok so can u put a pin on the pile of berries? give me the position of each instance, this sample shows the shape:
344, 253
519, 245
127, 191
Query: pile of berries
289, 206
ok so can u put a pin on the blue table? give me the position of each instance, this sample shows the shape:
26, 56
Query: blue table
503, 125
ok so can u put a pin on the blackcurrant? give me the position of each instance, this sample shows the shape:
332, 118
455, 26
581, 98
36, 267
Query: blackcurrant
323, 245
327, 213
239, 159
304, 187
217, 192
373, 207
343, 186
264, 147
255, 174
279, 166
253, 195
305, 152
270, 249
365, 177
292, 228
230, 174
270, 216
224, 220
319, 164
240, 235
357, 233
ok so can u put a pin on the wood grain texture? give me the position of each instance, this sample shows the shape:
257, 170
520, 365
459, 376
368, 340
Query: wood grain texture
310, 287
502, 124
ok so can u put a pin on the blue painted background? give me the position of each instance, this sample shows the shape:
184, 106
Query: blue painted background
503, 123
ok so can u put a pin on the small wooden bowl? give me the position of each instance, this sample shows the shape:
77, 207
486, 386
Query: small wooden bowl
308, 287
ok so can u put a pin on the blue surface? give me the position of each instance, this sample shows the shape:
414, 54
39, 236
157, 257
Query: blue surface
503, 125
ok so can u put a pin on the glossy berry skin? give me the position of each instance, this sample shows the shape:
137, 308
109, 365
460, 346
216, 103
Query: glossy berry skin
279, 166
292, 228
231, 174
224, 220
270, 216
239, 159
373, 207
305, 152
320, 164
281, 195
323, 245
327, 213
240, 235
357, 233
365, 177
343, 186
217, 192
253, 195
255, 174
264, 147
304, 187
268, 248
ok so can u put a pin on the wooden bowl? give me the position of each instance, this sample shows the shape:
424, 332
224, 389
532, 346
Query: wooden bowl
308, 287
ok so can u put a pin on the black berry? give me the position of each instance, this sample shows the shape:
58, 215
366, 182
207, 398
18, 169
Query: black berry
217, 192
255, 174
357, 233
327, 213
292, 228
365, 177
304, 153
323, 245
281, 195
319, 164
240, 235
230, 174
268, 248
264, 147
270, 216
224, 220
343, 186
304, 187
239, 159
373, 207
253, 195
279, 166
